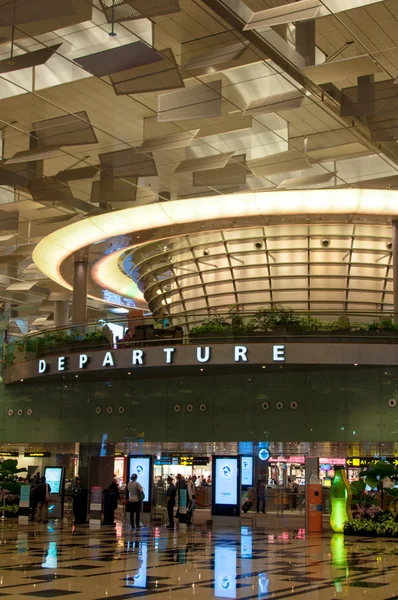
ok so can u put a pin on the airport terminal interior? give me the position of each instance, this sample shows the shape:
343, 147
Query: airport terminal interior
199, 299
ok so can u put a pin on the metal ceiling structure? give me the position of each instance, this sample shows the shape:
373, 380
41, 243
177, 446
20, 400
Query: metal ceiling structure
356, 47
346, 267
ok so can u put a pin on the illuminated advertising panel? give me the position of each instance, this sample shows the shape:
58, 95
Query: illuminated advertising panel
246, 465
226, 483
141, 465
53, 477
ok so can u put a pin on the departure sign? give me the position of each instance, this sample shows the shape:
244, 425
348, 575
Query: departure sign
182, 460
37, 454
190, 461
362, 461
7, 454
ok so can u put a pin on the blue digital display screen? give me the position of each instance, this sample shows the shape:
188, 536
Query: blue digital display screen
226, 480
246, 465
225, 572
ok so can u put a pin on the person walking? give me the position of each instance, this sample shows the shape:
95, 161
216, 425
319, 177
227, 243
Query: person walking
260, 496
115, 495
170, 502
191, 488
136, 493
79, 502
43, 491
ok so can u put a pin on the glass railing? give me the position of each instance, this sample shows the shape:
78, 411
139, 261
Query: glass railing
199, 327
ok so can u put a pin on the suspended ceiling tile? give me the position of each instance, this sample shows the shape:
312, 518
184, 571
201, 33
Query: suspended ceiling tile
8, 220
298, 182
283, 162
168, 142
127, 10
233, 174
226, 124
77, 174
380, 183
10, 259
383, 128
370, 99
128, 163
46, 320
48, 189
82, 11
211, 57
217, 161
31, 155
225, 190
301, 10
324, 139
119, 59
276, 103
155, 77
30, 59
195, 102
67, 130
345, 68
13, 175
19, 12
338, 152
21, 286
118, 191
55, 220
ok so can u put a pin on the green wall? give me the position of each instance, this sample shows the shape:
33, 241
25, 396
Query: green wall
348, 404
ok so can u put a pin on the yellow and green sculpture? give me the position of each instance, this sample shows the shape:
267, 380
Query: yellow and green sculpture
340, 501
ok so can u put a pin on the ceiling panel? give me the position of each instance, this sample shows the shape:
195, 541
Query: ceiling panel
196, 102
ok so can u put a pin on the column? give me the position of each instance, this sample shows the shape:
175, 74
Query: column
395, 267
61, 313
305, 41
80, 283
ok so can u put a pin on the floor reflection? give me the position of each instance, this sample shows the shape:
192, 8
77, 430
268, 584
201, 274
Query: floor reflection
241, 563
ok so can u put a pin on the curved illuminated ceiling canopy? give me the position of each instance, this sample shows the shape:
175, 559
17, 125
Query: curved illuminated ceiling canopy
171, 219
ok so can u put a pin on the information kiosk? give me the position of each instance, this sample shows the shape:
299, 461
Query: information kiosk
143, 467
226, 491
55, 478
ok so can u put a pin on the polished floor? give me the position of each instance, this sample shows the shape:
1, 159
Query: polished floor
54, 561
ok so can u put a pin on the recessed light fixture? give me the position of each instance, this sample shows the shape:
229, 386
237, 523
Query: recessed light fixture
201, 369
129, 373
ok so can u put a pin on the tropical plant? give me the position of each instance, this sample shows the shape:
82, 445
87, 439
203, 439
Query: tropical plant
9, 475
377, 475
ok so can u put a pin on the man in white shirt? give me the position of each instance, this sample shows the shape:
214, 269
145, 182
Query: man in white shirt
191, 489
134, 505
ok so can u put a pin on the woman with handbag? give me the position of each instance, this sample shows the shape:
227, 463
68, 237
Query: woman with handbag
43, 491
136, 497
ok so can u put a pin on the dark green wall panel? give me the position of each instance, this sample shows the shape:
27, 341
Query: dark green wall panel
347, 405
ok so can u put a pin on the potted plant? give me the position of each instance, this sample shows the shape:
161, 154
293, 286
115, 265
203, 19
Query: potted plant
9, 487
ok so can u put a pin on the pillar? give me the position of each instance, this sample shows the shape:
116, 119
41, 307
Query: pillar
305, 41
80, 283
395, 267
96, 464
61, 313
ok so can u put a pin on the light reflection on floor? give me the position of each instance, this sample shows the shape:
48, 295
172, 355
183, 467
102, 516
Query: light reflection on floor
51, 561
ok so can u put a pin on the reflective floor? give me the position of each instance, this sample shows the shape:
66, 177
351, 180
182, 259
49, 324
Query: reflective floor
51, 561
